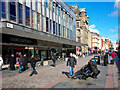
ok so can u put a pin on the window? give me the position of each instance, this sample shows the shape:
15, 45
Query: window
77, 24
20, 8
79, 39
56, 28
53, 7
53, 27
33, 19
63, 31
12, 11
47, 24
50, 25
67, 33
58, 11
38, 20
59, 29
3, 12
46, 3
27, 16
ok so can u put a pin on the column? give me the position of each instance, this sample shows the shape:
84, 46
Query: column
24, 14
17, 12
7, 10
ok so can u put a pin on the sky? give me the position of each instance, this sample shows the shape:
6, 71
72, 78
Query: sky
103, 17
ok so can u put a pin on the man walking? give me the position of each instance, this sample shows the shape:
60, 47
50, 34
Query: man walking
54, 58
12, 61
71, 63
21, 62
33, 62
26, 62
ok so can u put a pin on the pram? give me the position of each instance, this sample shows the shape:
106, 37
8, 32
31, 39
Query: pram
89, 70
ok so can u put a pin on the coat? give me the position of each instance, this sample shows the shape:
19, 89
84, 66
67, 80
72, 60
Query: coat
113, 54
54, 57
71, 61
21, 61
33, 62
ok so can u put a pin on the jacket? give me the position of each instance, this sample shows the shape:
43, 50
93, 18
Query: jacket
21, 61
33, 62
113, 54
54, 57
71, 61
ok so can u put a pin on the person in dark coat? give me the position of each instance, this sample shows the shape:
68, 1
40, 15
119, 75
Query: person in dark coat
54, 58
93, 68
21, 62
26, 62
12, 61
71, 62
33, 63
106, 59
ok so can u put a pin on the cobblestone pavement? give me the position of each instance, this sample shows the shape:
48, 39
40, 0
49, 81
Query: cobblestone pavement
47, 77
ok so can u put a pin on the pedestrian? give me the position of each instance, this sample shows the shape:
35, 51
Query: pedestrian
33, 63
106, 59
114, 54
54, 58
71, 62
25, 61
1, 62
12, 61
64, 56
21, 63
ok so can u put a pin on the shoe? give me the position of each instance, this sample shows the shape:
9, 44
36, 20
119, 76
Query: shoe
20, 71
36, 73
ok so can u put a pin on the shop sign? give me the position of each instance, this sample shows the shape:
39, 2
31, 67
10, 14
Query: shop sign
18, 40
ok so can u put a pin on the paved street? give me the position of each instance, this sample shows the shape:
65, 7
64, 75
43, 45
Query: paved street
47, 76
50, 77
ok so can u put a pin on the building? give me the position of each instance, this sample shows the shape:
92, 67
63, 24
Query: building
37, 27
81, 26
95, 37
89, 41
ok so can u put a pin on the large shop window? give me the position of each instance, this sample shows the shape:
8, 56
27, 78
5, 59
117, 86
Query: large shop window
47, 24
38, 20
20, 8
27, 16
59, 29
53, 27
2, 12
12, 11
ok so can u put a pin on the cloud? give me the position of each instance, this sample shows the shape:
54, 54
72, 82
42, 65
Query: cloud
115, 13
114, 36
112, 30
92, 28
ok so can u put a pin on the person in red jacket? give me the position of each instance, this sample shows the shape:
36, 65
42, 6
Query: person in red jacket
113, 54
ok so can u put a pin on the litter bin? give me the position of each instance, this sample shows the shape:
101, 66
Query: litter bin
97, 58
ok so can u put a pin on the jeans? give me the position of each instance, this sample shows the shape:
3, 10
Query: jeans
54, 62
33, 71
71, 70
21, 67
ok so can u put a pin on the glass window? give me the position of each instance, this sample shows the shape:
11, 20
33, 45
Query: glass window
77, 24
53, 27
12, 11
20, 8
59, 30
39, 7
50, 5
58, 11
53, 7
47, 24
38, 20
56, 28
27, 16
50, 25
3, 11
33, 19
46, 3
